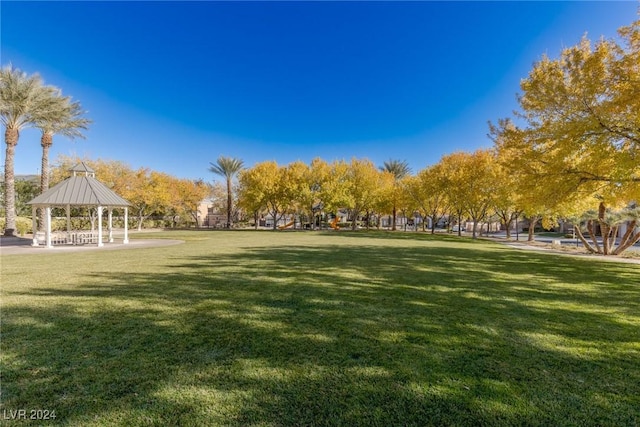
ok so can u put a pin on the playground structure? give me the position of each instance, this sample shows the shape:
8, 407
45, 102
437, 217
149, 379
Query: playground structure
334, 224
287, 225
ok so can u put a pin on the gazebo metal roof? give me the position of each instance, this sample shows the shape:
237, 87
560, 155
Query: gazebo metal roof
77, 190
83, 167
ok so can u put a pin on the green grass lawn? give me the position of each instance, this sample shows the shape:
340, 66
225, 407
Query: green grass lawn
265, 328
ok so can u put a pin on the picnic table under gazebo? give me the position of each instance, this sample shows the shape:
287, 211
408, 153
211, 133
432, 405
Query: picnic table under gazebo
82, 189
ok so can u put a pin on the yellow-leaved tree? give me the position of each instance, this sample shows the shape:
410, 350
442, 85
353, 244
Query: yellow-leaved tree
149, 192
363, 183
323, 188
252, 194
476, 185
268, 187
454, 180
580, 144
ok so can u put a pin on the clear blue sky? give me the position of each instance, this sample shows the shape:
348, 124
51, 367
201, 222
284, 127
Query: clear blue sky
173, 85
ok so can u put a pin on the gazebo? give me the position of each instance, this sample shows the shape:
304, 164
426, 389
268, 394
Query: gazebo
81, 189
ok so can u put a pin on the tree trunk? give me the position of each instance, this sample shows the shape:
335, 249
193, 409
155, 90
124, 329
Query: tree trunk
11, 138
613, 232
312, 219
46, 141
629, 239
229, 201
275, 217
626, 237
92, 219
584, 241
474, 235
506, 219
604, 228
593, 236
532, 227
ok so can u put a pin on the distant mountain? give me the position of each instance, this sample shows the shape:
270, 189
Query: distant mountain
33, 178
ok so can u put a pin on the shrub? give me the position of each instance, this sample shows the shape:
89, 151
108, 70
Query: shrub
23, 225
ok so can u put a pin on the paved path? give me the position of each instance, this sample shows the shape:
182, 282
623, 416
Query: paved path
22, 246
546, 248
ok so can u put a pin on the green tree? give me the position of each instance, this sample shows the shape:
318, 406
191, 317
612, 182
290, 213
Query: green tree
227, 167
66, 119
22, 98
26, 189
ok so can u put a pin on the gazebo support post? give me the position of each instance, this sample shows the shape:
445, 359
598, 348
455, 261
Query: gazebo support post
100, 226
68, 209
110, 225
34, 224
47, 232
126, 225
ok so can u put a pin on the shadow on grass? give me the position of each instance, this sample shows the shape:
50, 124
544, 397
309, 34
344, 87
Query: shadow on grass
334, 335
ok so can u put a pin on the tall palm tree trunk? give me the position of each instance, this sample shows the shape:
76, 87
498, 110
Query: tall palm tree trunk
45, 141
11, 136
229, 202
227, 167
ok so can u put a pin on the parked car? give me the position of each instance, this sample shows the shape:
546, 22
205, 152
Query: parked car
457, 228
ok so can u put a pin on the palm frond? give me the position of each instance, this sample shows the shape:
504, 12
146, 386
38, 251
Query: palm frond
398, 168
226, 166
20, 95
61, 116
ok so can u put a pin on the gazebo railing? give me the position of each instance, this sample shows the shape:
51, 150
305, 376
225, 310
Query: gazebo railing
83, 237
69, 238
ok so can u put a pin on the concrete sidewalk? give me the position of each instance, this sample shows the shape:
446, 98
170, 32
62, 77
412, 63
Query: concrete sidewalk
22, 246
549, 249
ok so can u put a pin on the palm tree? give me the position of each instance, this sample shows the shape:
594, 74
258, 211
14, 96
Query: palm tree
22, 98
399, 169
65, 120
227, 167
